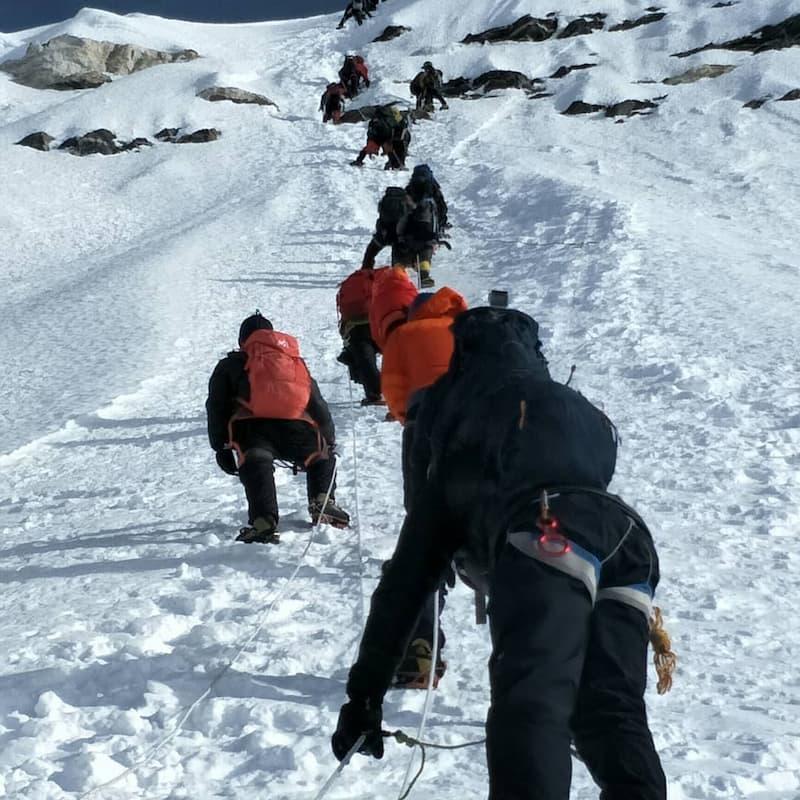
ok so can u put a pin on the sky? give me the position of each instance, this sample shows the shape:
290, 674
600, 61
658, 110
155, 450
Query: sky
20, 14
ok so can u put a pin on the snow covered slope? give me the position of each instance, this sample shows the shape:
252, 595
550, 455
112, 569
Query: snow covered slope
660, 255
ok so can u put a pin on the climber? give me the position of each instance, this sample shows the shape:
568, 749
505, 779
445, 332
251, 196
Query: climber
332, 103
357, 10
263, 406
387, 131
359, 353
426, 86
354, 74
509, 475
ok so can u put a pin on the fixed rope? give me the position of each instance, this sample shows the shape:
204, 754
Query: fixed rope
182, 717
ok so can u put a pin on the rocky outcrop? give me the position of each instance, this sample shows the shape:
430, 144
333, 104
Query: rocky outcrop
71, 62
489, 81
770, 37
168, 134
525, 29
588, 23
100, 142
625, 108
391, 32
198, 137
699, 73
216, 93
647, 19
562, 72
38, 141
757, 102
793, 95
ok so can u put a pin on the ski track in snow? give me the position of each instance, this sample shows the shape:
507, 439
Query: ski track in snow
659, 255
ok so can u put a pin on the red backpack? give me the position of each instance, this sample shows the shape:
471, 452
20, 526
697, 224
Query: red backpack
280, 384
392, 294
354, 295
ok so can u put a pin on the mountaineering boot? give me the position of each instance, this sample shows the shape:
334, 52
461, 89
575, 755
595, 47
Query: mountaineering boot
415, 669
425, 279
331, 514
373, 401
263, 531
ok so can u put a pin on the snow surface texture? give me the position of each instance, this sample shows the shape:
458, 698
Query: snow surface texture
660, 256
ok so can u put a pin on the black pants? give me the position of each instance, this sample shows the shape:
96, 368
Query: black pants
425, 625
264, 441
562, 671
361, 359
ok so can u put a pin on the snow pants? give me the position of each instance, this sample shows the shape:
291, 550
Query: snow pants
425, 624
562, 670
264, 442
361, 359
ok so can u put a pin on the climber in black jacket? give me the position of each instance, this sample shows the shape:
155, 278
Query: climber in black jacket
510, 474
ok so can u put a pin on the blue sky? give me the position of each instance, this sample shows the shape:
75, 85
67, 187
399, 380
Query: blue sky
19, 14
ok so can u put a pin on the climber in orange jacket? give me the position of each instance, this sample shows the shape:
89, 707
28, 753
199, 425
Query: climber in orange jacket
415, 355
418, 352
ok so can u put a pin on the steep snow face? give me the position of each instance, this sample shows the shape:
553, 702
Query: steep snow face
658, 254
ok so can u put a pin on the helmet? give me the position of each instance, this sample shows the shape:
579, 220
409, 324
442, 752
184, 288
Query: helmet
427, 65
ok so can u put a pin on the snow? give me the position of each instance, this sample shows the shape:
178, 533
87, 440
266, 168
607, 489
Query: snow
660, 256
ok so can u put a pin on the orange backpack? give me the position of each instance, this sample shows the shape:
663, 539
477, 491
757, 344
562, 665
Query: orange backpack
392, 294
280, 384
354, 295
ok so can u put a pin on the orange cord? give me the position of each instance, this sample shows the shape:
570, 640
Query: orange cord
664, 659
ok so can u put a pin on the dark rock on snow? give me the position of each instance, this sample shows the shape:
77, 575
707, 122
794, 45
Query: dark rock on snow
168, 134
628, 108
579, 107
137, 143
699, 73
99, 142
216, 93
38, 141
724, 5
489, 81
793, 95
71, 62
770, 37
647, 19
589, 23
203, 135
757, 102
562, 72
525, 29
391, 32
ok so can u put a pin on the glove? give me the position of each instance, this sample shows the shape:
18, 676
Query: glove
355, 718
227, 462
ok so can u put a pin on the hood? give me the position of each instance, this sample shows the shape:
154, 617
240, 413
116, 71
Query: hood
446, 302
498, 339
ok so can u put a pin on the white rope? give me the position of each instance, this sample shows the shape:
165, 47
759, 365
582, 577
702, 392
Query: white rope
429, 694
338, 771
152, 751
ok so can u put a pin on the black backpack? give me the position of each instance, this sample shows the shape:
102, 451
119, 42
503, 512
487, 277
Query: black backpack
391, 209
422, 183
420, 227
379, 129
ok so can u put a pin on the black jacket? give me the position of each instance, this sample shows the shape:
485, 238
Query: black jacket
229, 382
490, 433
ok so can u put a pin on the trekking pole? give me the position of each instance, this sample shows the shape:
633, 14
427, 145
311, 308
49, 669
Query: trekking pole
338, 771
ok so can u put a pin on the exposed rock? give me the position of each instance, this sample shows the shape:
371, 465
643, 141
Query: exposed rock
137, 144
217, 93
489, 81
99, 142
525, 29
625, 108
203, 135
38, 141
770, 37
647, 19
589, 23
699, 73
562, 72
628, 108
71, 62
392, 32
168, 134
793, 95
757, 102
724, 5
579, 107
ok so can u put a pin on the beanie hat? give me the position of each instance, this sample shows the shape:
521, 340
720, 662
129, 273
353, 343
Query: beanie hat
255, 322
